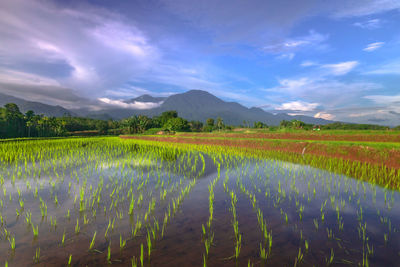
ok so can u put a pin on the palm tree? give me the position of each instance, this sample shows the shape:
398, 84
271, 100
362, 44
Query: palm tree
220, 123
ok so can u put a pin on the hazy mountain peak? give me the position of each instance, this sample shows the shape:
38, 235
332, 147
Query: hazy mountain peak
191, 105
37, 107
146, 99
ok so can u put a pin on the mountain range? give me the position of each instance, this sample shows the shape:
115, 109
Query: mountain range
37, 107
191, 105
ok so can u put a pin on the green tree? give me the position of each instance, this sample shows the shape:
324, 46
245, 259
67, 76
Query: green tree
144, 123
29, 118
14, 120
15, 124
260, 125
297, 124
196, 126
285, 124
102, 126
177, 124
220, 123
159, 121
137, 124
3, 125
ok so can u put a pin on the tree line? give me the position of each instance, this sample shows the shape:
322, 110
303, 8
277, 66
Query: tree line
169, 121
14, 123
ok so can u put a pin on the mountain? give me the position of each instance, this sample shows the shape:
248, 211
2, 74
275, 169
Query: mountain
192, 105
37, 107
200, 105
146, 99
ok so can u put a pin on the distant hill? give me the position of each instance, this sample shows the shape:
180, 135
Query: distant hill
192, 105
146, 99
37, 107
200, 105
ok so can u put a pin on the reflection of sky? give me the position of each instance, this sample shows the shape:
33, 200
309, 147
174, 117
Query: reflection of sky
303, 175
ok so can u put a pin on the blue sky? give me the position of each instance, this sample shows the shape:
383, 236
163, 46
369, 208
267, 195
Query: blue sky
331, 59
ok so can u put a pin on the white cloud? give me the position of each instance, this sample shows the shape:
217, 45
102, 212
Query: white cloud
329, 93
293, 84
385, 110
308, 63
324, 115
296, 114
369, 24
46, 46
286, 56
361, 8
259, 21
298, 106
127, 92
313, 39
341, 68
100, 49
362, 114
373, 46
122, 37
134, 105
389, 68
24, 78
81, 72
384, 99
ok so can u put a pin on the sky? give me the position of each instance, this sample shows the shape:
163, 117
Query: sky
337, 60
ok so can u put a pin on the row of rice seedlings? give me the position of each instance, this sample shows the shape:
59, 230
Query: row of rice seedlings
84, 201
235, 224
69, 162
300, 207
262, 223
376, 174
208, 234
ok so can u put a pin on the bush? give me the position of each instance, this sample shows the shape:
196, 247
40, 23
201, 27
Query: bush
153, 131
177, 124
208, 128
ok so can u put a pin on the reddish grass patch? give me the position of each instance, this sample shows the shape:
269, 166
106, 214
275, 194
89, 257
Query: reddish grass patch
307, 136
385, 157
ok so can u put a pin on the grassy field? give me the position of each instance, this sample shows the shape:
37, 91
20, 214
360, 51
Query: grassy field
218, 199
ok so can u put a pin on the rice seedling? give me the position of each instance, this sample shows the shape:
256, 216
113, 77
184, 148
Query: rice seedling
77, 227
329, 260
63, 239
299, 258
35, 231
134, 262
28, 218
91, 246
69, 260
36, 258
11, 240
141, 255
263, 254
148, 245
122, 243
149, 181
109, 253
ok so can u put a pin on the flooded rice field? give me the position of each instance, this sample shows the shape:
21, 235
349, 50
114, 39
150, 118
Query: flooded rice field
99, 202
